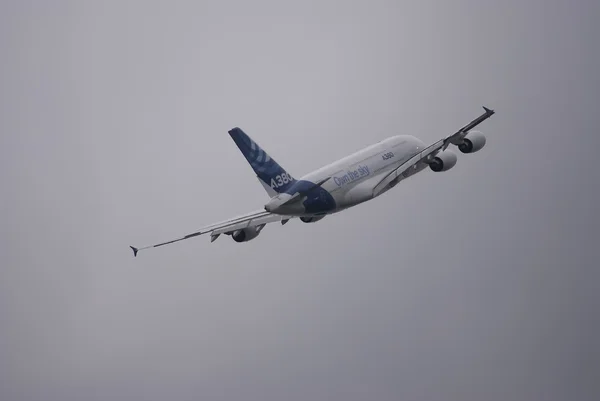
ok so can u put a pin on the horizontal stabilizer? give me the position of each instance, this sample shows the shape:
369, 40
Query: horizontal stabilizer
135, 250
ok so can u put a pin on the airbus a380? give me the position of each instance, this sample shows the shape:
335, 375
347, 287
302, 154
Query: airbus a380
355, 179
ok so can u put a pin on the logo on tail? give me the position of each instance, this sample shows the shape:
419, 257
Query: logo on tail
271, 174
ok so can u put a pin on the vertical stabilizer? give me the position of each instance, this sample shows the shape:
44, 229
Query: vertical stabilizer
273, 177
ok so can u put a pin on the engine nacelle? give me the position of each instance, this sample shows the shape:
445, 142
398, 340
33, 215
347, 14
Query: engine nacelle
444, 161
311, 219
246, 234
472, 142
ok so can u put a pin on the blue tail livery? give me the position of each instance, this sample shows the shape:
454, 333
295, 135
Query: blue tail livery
273, 177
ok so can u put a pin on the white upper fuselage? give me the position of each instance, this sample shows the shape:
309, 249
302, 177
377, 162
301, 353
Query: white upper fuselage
354, 177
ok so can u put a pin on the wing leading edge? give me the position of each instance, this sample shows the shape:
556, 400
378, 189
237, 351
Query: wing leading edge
248, 220
429, 152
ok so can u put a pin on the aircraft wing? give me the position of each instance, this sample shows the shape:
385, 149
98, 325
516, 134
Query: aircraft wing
258, 218
427, 154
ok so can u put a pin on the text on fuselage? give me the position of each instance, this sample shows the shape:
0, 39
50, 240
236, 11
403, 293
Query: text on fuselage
351, 176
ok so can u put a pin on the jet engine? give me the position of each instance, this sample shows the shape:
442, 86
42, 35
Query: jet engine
444, 161
472, 142
246, 234
311, 219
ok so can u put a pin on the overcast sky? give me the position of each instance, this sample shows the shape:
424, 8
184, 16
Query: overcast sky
481, 283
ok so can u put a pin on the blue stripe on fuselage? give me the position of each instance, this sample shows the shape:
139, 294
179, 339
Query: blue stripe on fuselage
318, 200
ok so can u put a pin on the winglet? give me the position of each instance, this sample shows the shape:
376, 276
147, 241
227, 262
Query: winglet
488, 111
135, 250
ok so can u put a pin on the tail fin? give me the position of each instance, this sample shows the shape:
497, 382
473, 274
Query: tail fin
273, 177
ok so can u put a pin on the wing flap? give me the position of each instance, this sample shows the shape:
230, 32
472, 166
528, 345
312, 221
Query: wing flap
257, 221
236, 223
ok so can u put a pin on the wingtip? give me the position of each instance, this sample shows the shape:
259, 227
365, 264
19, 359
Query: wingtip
135, 250
488, 110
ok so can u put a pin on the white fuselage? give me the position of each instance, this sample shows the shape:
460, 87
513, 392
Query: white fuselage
354, 177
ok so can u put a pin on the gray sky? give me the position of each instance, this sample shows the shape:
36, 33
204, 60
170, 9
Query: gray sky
477, 284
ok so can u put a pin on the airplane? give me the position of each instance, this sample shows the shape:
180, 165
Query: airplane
352, 180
